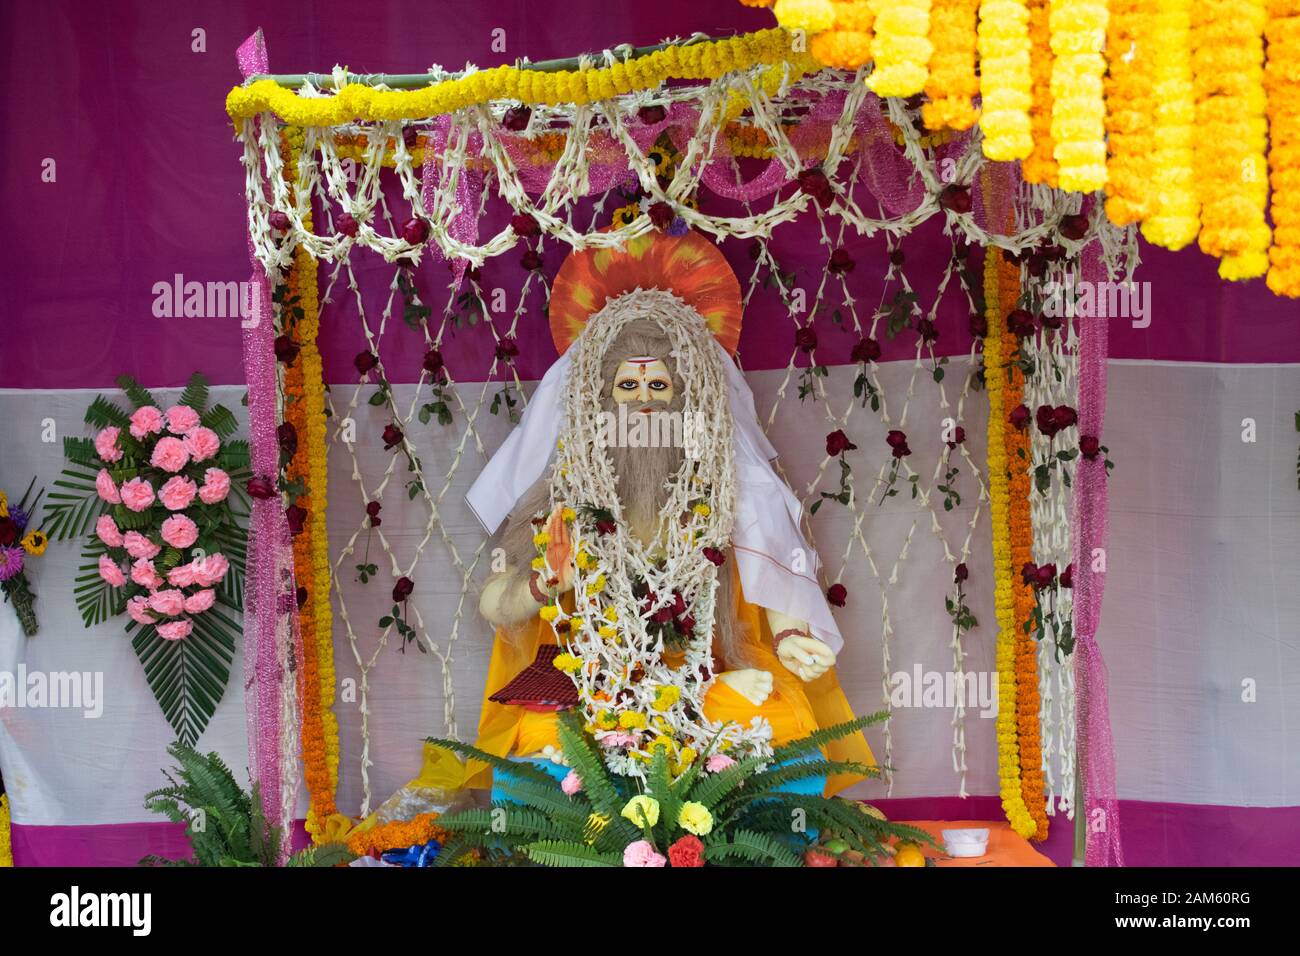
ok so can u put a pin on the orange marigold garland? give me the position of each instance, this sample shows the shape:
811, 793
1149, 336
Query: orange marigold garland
1130, 110
1282, 83
397, 834
953, 84
1021, 542
847, 44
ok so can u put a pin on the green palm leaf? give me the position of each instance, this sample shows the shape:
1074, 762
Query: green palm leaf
188, 677
196, 393
139, 395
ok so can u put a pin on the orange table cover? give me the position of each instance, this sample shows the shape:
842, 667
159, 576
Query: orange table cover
1006, 848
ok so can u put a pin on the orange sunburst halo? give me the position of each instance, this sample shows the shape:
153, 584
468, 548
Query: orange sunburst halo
689, 266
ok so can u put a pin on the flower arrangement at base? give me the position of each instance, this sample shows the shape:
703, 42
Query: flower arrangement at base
233, 830
18, 542
720, 811
160, 489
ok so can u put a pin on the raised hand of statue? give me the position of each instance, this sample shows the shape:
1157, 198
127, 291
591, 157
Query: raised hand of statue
752, 684
805, 657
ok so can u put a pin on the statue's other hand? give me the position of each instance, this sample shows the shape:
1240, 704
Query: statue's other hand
752, 684
805, 657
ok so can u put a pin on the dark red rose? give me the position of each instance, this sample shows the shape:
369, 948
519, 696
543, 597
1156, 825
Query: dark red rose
1074, 227
1021, 322
402, 589
868, 350
1067, 576
662, 616
661, 214
755, 250
979, 325
432, 362
1050, 321
652, 114
1089, 446
805, 338
415, 230
516, 119
895, 438
365, 361
1064, 416
372, 513
288, 438
8, 531
278, 221
928, 331
531, 260
1037, 266
841, 262
472, 273
961, 573
1046, 420
837, 594
1052, 253
410, 136
679, 604
301, 596
605, 526
286, 349
1020, 415
958, 436
961, 249
813, 182
296, 517
507, 349
896, 257
263, 488
837, 442
715, 555
525, 225
685, 624
956, 199
1044, 575
1029, 573
392, 437
901, 451
688, 851
345, 225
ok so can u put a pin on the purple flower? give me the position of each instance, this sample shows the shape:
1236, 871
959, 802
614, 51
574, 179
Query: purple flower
11, 562
18, 517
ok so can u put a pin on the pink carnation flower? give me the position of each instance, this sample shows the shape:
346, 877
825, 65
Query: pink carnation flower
108, 531
571, 784
110, 572
718, 763
642, 853
216, 485
170, 602
618, 740
139, 546
137, 494
175, 630
179, 531
177, 493
200, 601
202, 443
106, 444
170, 454
147, 420
106, 489
138, 608
144, 574
210, 570
181, 419
182, 577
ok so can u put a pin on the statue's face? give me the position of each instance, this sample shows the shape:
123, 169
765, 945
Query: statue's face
645, 381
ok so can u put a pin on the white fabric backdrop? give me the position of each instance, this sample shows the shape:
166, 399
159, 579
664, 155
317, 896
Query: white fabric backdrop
1203, 594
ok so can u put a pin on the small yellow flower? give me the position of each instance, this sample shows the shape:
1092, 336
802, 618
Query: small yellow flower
666, 696
695, 818
567, 663
549, 612
611, 613
664, 741
631, 720
541, 539
583, 559
607, 631
606, 720
596, 586
35, 543
702, 510
575, 623
568, 514
539, 562
644, 811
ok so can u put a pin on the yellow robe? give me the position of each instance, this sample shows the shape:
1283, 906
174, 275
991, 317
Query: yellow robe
794, 709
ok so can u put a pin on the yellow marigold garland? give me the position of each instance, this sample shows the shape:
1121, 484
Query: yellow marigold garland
1003, 43
1231, 170
1174, 206
811, 16
1078, 107
1021, 541
6, 844
900, 47
305, 409
952, 85
1282, 80
847, 44
1040, 165
1130, 108
397, 834
1001, 397
695, 61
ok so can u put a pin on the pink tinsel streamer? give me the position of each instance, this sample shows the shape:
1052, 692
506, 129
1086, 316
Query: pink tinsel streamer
469, 188
269, 622
1088, 532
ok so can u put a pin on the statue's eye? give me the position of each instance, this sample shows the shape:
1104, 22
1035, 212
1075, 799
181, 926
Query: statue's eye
627, 385
658, 385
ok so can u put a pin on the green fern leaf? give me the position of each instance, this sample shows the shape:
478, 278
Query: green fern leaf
555, 853
196, 393
139, 395
815, 741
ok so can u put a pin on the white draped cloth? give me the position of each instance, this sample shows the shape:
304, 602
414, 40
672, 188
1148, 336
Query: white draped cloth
778, 568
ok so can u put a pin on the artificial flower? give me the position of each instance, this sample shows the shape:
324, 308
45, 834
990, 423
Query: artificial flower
137, 494
642, 810
643, 853
695, 818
